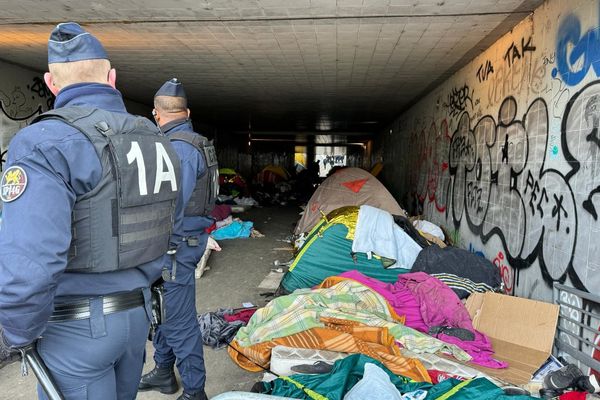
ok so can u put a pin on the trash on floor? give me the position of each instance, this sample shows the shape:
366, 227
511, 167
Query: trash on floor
272, 280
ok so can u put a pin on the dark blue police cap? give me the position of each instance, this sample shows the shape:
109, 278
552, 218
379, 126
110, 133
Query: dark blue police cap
172, 88
69, 42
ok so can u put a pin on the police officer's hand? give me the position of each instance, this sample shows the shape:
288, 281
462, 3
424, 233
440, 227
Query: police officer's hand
8, 355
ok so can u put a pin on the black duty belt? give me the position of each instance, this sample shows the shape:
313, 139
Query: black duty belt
110, 304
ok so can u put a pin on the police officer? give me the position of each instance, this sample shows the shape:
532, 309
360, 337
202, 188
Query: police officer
179, 339
80, 248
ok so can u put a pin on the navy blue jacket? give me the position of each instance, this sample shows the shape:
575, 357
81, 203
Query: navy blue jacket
61, 164
193, 166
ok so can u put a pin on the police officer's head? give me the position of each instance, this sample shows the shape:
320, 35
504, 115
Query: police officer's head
76, 56
170, 103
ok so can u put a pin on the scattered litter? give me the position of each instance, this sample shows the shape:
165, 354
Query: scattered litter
272, 280
280, 270
254, 233
245, 201
212, 244
282, 263
202, 265
238, 209
283, 249
248, 305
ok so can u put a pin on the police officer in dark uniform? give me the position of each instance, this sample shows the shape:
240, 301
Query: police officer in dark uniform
89, 196
179, 339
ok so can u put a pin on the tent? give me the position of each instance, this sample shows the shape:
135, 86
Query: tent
347, 187
327, 251
231, 183
272, 174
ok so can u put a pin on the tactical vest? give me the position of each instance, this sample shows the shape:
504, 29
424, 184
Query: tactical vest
127, 219
206, 190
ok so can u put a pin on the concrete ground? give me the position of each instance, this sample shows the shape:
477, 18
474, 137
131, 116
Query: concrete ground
233, 278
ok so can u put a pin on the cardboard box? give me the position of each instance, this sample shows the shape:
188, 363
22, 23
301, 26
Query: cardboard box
521, 331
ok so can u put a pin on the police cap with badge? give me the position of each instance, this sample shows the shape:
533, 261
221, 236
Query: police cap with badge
171, 88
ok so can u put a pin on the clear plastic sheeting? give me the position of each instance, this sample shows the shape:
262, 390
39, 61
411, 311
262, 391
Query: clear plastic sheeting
247, 396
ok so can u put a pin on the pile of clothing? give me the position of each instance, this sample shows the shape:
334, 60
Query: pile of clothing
391, 331
220, 327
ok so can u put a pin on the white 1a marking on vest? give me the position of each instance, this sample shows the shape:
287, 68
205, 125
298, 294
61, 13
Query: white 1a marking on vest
161, 175
135, 153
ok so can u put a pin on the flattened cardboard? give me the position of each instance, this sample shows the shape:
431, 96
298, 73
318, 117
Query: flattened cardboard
521, 331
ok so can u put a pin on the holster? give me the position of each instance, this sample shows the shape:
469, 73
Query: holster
159, 312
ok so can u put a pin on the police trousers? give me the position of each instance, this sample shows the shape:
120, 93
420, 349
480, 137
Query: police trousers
98, 358
179, 339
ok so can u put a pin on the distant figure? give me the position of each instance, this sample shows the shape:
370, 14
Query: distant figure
307, 181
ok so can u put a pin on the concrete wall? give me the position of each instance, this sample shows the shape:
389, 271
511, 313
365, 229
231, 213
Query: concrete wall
505, 153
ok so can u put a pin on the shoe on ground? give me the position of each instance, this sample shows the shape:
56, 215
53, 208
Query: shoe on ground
563, 378
319, 367
160, 379
193, 396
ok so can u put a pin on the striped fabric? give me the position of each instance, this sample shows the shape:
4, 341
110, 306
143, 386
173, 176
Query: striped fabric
458, 282
336, 335
303, 309
300, 320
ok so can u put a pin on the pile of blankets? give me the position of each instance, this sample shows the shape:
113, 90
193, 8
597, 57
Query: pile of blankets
356, 314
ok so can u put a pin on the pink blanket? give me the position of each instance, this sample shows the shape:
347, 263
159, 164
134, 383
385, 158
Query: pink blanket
426, 301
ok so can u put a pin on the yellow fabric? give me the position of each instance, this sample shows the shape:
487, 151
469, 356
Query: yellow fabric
454, 390
311, 393
376, 170
278, 171
227, 171
343, 215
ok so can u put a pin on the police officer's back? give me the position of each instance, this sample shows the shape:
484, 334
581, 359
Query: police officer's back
89, 195
178, 341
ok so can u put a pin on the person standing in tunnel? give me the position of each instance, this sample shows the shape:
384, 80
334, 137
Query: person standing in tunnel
80, 248
179, 339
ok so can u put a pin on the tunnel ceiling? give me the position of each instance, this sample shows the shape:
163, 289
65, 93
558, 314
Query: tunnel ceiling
280, 65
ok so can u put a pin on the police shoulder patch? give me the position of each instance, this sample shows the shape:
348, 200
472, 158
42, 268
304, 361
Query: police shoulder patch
13, 184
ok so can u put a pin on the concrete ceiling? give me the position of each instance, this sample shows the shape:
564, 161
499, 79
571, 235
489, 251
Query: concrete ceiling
293, 65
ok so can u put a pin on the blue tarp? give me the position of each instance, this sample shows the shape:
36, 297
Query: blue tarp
235, 230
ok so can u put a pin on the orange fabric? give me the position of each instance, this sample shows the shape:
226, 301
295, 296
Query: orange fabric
334, 280
337, 335
356, 185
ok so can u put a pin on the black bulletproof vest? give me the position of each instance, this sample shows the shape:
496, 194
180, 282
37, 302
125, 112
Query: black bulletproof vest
127, 219
206, 190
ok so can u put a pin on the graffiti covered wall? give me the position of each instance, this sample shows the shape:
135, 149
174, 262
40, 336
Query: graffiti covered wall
505, 153
23, 95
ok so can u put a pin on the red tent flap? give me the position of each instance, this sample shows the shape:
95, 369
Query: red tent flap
355, 186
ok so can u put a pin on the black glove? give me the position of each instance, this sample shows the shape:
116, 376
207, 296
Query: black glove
8, 355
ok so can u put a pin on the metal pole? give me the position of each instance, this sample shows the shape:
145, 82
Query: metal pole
32, 357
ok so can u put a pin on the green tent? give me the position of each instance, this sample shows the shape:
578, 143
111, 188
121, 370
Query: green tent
327, 251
